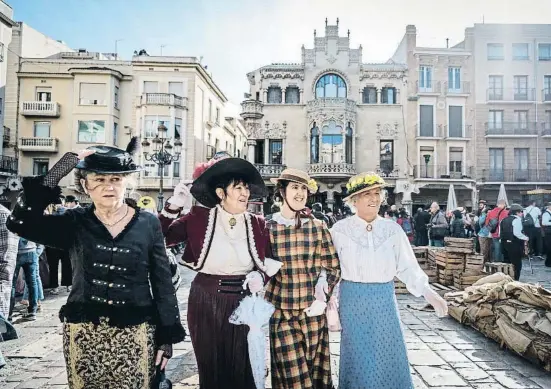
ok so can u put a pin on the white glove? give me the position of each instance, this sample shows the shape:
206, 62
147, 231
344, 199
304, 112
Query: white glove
316, 309
322, 288
181, 197
438, 303
254, 281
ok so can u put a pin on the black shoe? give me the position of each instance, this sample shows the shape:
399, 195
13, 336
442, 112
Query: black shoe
29, 317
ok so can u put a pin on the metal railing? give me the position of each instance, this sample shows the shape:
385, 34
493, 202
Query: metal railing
429, 87
443, 172
546, 95
8, 164
437, 132
514, 175
455, 89
164, 99
511, 128
322, 169
511, 94
269, 170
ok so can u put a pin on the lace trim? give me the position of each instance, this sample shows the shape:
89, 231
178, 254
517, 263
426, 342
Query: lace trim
280, 219
354, 230
60, 169
168, 215
252, 244
206, 241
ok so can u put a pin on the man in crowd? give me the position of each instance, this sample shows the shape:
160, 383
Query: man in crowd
483, 232
532, 228
546, 222
421, 219
71, 202
438, 226
493, 221
8, 256
513, 239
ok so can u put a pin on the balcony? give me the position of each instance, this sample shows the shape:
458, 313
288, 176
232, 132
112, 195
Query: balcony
437, 132
334, 103
465, 133
269, 171
331, 170
252, 109
546, 95
511, 95
430, 88
8, 165
442, 172
511, 129
169, 99
48, 145
154, 182
513, 175
6, 137
546, 129
463, 89
40, 108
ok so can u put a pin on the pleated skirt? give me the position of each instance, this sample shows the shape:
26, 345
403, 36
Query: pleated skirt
220, 347
373, 351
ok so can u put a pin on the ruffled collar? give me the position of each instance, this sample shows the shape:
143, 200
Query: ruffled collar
361, 223
280, 219
226, 216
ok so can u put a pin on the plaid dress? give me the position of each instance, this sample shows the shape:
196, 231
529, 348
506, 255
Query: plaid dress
8, 256
299, 344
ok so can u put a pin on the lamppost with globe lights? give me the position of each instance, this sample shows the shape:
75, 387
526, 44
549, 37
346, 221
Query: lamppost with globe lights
162, 155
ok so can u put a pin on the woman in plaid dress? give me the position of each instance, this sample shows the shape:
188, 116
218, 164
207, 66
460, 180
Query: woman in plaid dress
299, 336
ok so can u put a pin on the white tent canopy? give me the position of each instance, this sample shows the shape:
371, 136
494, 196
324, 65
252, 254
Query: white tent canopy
502, 195
452, 201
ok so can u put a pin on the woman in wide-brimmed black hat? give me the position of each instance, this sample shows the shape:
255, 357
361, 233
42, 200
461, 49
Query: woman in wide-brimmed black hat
230, 249
121, 317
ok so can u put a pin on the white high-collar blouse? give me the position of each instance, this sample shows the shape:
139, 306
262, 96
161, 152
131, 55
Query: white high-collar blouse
377, 256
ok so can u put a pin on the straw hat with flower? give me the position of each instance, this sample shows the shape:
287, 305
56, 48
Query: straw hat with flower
363, 182
295, 175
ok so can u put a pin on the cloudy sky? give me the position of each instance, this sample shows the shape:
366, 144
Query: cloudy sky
238, 36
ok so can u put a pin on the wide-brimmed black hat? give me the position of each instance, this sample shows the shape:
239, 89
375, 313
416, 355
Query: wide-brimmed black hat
204, 186
111, 160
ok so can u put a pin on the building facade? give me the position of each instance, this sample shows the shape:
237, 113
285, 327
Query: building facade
513, 108
78, 99
331, 115
440, 120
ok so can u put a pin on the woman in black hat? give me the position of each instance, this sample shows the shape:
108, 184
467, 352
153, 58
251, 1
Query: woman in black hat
115, 331
230, 249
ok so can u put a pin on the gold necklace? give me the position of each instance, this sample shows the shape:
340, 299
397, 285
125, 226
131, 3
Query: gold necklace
117, 222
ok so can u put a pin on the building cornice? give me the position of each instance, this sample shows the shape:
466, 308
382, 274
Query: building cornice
7, 20
43, 75
100, 70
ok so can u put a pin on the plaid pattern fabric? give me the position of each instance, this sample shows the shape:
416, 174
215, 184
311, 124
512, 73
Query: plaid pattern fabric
9, 243
304, 253
299, 347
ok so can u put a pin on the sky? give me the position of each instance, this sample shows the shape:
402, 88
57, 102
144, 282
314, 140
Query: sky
235, 37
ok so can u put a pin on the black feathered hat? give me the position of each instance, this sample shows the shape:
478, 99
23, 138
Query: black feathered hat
111, 160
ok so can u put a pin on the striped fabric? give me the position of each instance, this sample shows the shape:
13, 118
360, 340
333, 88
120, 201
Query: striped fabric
300, 344
8, 256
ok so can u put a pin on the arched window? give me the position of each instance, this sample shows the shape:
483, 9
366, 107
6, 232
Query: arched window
314, 144
332, 143
330, 85
348, 144
274, 95
292, 95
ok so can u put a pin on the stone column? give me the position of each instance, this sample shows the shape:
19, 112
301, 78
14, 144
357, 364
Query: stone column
251, 143
267, 151
330, 198
378, 95
301, 96
264, 95
397, 97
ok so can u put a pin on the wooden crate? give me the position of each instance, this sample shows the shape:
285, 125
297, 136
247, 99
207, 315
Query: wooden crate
474, 262
399, 287
459, 245
463, 280
499, 267
432, 273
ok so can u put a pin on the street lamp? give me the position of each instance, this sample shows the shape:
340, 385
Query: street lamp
427, 160
162, 155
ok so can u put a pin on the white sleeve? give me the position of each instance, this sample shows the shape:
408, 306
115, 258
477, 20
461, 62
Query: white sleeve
407, 268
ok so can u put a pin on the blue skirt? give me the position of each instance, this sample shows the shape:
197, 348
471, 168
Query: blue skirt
373, 350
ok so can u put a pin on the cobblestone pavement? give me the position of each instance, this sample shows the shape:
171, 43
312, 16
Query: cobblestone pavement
442, 353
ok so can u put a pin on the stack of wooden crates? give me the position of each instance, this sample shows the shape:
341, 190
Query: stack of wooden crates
421, 253
457, 263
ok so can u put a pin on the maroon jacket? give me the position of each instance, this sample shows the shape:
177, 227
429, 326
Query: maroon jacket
196, 229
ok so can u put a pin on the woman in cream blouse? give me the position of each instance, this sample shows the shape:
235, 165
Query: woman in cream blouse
372, 251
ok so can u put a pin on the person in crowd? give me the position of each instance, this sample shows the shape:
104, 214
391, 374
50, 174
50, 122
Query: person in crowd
317, 211
513, 239
457, 227
28, 261
40, 290
71, 202
121, 317
421, 220
476, 224
373, 251
438, 226
299, 336
230, 250
483, 232
54, 256
532, 228
493, 221
546, 224
405, 222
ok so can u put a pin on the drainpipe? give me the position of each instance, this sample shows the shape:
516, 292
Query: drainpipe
536, 114
16, 147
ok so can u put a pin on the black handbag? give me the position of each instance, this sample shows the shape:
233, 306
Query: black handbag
160, 381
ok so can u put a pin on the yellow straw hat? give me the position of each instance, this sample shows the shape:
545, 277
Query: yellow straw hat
298, 176
363, 182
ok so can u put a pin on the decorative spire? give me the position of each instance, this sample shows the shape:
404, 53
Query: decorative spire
337, 22
348, 33
314, 33
325, 22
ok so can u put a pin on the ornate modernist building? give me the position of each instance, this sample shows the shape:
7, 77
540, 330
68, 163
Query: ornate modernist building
330, 115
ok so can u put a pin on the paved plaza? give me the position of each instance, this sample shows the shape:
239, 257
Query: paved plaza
442, 353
